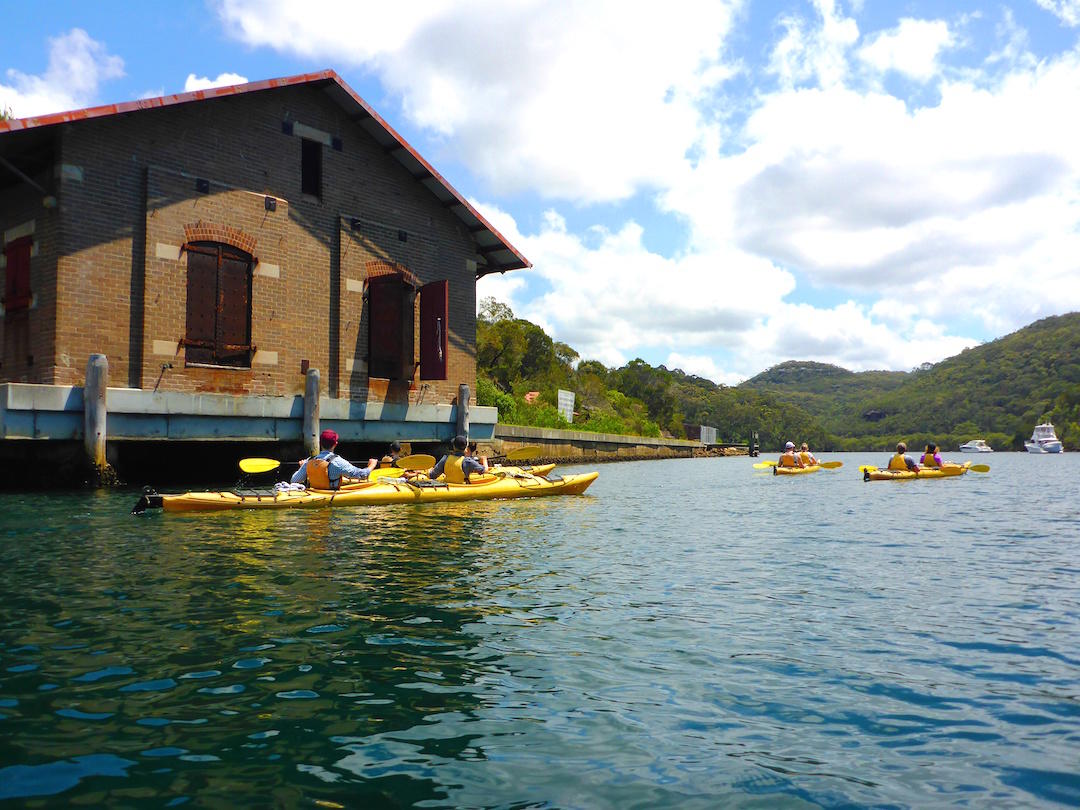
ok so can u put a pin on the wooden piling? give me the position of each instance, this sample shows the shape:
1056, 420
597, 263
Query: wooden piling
462, 410
311, 412
95, 417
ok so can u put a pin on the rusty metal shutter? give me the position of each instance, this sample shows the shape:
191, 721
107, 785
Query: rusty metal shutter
202, 296
434, 344
218, 305
17, 274
385, 326
234, 312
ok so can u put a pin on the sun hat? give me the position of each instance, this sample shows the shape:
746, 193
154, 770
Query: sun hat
789, 446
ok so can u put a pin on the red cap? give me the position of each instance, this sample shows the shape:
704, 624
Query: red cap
328, 437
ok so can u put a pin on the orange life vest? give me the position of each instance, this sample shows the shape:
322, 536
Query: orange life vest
928, 460
807, 458
897, 462
788, 460
318, 473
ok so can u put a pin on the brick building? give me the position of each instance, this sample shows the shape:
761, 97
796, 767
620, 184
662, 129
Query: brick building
220, 243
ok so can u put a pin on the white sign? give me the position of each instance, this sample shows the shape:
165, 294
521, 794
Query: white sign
708, 435
566, 405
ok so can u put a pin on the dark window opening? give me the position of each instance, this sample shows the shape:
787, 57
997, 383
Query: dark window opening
311, 167
390, 328
218, 305
17, 275
434, 343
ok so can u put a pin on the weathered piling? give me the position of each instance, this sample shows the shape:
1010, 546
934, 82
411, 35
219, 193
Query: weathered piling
95, 418
311, 412
462, 426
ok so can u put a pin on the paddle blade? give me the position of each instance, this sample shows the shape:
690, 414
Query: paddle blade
522, 453
979, 468
764, 465
417, 461
259, 465
831, 465
865, 468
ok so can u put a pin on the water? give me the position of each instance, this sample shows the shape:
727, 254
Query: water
690, 633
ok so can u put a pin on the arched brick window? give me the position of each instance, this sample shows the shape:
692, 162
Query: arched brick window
218, 305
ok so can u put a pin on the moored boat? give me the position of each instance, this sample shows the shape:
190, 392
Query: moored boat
976, 446
1043, 440
365, 493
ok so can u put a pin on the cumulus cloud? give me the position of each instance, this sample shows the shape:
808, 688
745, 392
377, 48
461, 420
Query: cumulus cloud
1068, 11
912, 48
957, 204
194, 82
586, 101
78, 65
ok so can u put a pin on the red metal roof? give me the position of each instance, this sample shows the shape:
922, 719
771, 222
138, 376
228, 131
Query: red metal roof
499, 255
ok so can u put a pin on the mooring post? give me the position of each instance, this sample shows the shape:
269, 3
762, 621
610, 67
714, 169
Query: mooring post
95, 413
311, 412
462, 410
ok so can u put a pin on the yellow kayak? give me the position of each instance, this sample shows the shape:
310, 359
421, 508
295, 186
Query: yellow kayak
366, 493
812, 468
948, 471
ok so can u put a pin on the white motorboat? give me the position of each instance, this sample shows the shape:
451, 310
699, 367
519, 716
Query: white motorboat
976, 446
1043, 440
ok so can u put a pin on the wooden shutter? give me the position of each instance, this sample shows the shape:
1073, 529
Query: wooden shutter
385, 326
17, 274
233, 341
202, 298
434, 344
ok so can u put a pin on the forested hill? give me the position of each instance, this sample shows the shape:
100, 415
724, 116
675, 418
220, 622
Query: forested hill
997, 391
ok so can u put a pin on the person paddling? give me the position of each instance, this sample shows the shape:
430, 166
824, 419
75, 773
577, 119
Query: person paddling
806, 457
457, 465
789, 457
901, 461
328, 470
393, 453
931, 458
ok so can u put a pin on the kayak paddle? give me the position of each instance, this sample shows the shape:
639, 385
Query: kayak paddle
259, 465
523, 453
979, 468
763, 465
831, 465
417, 461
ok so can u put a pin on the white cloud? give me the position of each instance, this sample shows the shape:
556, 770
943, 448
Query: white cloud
912, 48
78, 65
811, 51
588, 101
194, 82
1068, 11
934, 213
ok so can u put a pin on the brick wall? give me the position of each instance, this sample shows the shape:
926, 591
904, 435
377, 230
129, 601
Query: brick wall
135, 198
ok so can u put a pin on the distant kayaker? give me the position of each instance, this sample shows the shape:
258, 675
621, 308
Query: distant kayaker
393, 453
805, 456
931, 458
789, 457
458, 464
900, 461
327, 469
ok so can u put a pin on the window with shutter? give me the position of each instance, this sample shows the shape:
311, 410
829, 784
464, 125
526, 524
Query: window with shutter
218, 305
390, 327
17, 275
434, 311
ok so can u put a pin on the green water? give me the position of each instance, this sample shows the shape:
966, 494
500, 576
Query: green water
689, 633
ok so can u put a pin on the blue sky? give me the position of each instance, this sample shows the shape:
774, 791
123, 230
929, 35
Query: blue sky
713, 185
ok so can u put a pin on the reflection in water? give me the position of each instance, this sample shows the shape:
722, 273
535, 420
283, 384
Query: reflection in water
685, 635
